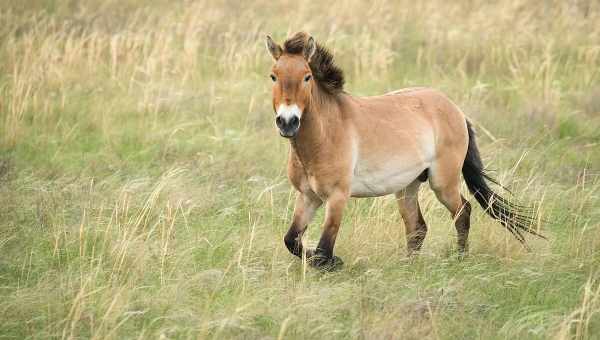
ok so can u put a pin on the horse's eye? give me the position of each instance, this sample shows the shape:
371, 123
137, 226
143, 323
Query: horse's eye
273, 78
307, 78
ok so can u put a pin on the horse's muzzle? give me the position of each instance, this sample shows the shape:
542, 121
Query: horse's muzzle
288, 128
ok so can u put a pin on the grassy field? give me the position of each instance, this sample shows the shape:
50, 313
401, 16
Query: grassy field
143, 191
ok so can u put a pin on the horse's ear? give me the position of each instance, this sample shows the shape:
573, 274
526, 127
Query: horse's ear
273, 48
310, 48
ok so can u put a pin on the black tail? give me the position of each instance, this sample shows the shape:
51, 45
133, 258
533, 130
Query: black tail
517, 219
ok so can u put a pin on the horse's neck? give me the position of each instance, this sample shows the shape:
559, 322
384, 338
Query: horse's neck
317, 127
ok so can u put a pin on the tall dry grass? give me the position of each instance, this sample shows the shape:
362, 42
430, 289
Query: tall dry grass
143, 190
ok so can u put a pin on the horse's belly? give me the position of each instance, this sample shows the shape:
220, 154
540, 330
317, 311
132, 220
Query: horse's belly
384, 180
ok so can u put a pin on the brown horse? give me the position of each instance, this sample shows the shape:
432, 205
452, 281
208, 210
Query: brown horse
344, 146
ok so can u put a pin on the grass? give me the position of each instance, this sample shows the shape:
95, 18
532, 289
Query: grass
143, 190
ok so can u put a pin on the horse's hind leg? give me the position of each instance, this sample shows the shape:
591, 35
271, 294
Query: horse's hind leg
414, 224
459, 207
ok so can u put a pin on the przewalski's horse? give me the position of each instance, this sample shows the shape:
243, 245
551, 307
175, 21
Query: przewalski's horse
344, 146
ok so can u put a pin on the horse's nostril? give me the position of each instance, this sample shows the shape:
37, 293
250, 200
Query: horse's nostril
294, 121
279, 121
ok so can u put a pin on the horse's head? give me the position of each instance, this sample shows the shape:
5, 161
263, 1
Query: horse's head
292, 81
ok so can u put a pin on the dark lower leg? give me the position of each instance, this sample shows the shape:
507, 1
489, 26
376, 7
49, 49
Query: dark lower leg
323, 257
460, 210
327, 242
293, 240
462, 224
304, 210
323, 254
414, 240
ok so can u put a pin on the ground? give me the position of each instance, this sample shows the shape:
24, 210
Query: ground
143, 190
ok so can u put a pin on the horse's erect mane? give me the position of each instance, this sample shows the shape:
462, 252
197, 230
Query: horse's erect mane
326, 73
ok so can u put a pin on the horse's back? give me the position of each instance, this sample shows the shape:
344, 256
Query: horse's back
412, 110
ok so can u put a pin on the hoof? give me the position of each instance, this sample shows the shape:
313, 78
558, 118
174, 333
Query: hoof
324, 263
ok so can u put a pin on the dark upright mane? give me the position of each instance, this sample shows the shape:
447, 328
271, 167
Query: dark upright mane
327, 74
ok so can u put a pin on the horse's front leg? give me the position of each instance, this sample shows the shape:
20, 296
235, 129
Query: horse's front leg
323, 256
304, 211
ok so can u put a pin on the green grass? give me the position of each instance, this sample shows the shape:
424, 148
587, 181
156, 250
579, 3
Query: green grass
143, 191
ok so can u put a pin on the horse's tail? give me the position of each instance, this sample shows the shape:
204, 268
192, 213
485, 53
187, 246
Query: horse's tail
517, 219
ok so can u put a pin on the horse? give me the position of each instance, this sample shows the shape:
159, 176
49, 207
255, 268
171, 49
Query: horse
344, 146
